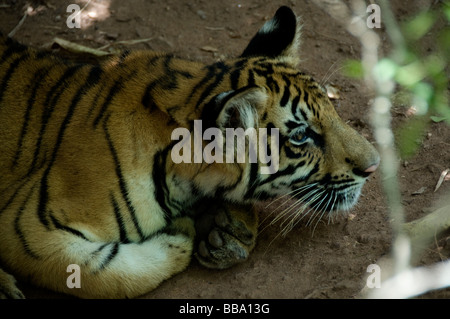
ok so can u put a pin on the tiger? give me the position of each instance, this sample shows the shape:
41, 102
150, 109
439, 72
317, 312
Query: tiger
88, 180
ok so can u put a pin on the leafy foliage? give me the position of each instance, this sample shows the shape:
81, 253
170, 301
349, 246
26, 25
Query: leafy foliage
422, 76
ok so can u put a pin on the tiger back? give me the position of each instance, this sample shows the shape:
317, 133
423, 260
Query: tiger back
88, 177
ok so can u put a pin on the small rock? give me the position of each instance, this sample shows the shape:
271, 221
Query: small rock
208, 49
201, 14
419, 191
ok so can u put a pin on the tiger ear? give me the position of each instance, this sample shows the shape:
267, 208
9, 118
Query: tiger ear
278, 38
233, 109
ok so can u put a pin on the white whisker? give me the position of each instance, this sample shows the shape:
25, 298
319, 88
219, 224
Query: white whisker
304, 200
316, 205
324, 209
299, 201
323, 81
331, 215
292, 193
300, 213
332, 73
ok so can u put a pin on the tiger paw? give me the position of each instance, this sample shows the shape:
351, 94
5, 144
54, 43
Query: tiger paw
226, 237
8, 288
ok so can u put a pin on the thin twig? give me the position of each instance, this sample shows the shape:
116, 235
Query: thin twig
13, 32
405, 282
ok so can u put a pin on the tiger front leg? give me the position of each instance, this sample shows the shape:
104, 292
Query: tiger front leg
226, 235
8, 288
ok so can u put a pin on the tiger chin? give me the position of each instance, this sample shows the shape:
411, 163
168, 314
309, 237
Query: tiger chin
87, 177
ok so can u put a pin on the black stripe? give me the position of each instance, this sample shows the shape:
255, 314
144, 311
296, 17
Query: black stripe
206, 78
12, 47
60, 226
342, 185
236, 74
112, 92
253, 180
168, 80
287, 171
91, 81
307, 176
294, 106
98, 251
291, 125
303, 113
53, 95
122, 229
273, 84
159, 179
124, 55
16, 192
266, 74
306, 99
147, 100
112, 254
313, 171
263, 195
282, 138
291, 154
216, 72
43, 197
122, 184
212, 109
264, 117
220, 69
234, 79
94, 102
266, 66
18, 229
285, 98
37, 80
251, 78
12, 67
317, 138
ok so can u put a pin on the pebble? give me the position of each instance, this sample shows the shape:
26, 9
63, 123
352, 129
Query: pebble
201, 14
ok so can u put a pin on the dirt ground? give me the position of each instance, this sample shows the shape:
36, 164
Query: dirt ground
327, 260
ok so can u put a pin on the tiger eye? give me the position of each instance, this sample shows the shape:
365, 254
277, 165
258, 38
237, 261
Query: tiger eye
299, 136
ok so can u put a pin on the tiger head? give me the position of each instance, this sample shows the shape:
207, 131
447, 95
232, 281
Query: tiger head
320, 160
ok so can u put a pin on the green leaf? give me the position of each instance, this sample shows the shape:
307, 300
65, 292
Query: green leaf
444, 42
353, 68
435, 64
419, 25
410, 135
437, 119
410, 74
447, 10
423, 90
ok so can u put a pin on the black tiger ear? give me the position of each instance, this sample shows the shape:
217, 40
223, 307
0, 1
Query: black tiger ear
278, 38
233, 109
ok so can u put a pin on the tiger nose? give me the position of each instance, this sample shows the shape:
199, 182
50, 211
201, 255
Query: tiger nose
369, 170
372, 168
